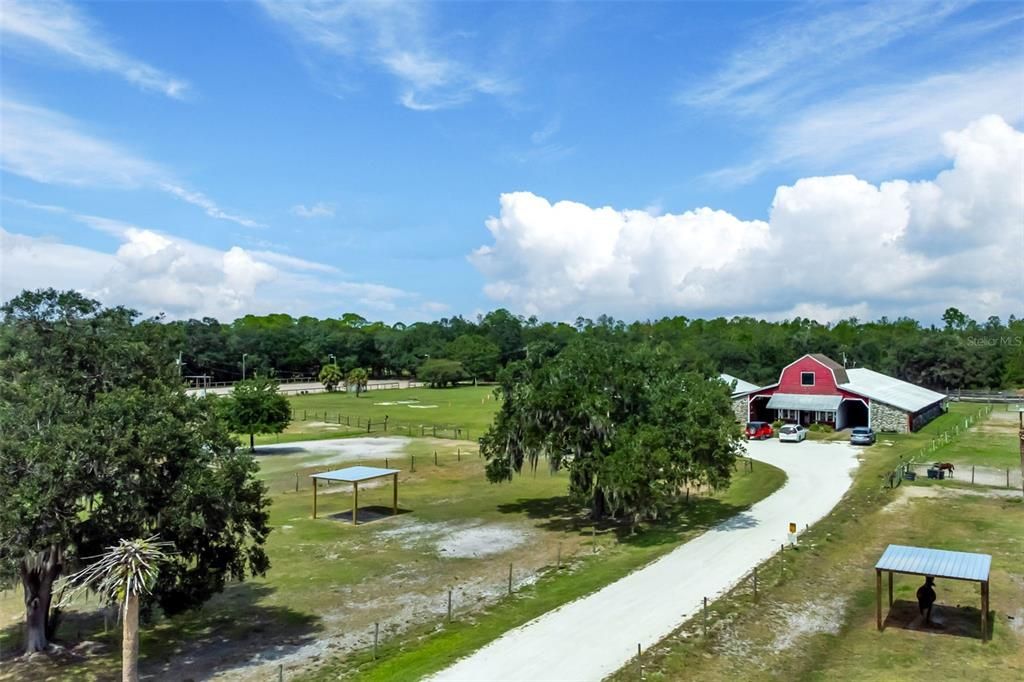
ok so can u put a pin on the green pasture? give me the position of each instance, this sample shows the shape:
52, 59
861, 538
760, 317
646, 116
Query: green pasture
330, 582
464, 412
815, 617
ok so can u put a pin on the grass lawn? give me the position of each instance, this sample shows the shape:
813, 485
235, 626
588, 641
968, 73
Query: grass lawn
429, 649
818, 621
330, 582
410, 412
993, 443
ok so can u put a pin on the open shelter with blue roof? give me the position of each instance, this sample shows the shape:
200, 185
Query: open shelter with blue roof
355, 475
937, 563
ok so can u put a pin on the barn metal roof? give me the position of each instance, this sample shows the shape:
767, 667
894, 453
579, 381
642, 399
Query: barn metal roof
355, 474
802, 401
889, 390
738, 386
940, 563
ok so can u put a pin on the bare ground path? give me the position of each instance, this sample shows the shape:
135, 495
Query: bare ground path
645, 606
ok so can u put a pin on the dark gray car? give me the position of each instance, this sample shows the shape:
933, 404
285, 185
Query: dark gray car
862, 435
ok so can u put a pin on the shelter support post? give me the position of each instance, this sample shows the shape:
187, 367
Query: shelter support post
314, 497
394, 495
878, 599
984, 611
890, 589
355, 501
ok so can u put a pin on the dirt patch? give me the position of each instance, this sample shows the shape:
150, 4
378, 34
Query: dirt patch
999, 421
917, 492
464, 540
337, 450
812, 618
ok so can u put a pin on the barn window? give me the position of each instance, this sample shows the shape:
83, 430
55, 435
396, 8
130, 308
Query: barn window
806, 378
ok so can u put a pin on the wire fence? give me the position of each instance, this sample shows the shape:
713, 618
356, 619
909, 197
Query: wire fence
925, 458
360, 424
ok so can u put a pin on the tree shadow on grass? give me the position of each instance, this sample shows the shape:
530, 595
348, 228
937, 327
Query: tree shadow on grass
953, 621
366, 514
701, 513
231, 629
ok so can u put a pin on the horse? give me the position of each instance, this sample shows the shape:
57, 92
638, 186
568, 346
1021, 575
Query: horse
945, 466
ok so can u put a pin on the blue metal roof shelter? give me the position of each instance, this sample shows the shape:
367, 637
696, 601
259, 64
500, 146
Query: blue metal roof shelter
354, 475
938, 563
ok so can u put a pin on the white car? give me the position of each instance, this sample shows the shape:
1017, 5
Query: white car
792, 433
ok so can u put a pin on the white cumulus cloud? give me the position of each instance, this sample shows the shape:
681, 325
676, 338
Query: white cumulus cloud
832, 246
156, 272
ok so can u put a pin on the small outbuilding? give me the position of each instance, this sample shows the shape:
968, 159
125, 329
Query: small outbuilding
355, 476
937, 563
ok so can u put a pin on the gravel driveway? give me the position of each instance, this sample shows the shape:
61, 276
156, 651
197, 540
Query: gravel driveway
645, 606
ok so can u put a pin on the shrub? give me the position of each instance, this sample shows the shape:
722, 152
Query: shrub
778, 423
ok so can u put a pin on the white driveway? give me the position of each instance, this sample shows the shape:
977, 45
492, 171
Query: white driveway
593, 637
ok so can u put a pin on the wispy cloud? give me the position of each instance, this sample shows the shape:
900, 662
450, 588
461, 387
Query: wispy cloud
396, 38
60, 28
320, 209
209, 206
815, 85
886, 129
51, 148
780, 59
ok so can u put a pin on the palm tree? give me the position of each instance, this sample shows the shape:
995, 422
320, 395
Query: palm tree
358, 377
122, 575
330, 376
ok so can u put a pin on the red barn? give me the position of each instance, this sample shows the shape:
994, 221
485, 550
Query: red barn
817, 389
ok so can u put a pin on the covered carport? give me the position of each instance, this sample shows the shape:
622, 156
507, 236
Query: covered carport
937, 563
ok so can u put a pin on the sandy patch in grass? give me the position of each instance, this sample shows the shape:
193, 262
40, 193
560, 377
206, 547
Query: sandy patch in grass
466, 540
812, 618
340, 449
918, 492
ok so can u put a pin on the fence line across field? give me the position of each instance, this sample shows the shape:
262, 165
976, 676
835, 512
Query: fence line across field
370, 425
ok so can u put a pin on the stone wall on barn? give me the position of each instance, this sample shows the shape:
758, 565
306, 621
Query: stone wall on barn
739, 409
888, 418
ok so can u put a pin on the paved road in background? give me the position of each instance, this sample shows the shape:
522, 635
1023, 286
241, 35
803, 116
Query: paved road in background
313, 387
594, 636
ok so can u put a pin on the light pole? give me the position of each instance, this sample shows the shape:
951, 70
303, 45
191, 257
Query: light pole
244, 355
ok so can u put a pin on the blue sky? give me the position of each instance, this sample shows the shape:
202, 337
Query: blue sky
411, 161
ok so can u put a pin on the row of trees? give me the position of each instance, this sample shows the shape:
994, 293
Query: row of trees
959, 353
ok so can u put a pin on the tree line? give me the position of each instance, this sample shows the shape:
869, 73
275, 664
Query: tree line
959, 353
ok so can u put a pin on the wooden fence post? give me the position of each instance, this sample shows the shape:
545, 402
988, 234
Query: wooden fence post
449, 605
376, 636
296, 481
755, 584
510, 579
705, 617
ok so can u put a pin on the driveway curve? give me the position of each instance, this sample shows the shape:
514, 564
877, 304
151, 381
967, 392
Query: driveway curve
592, 637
